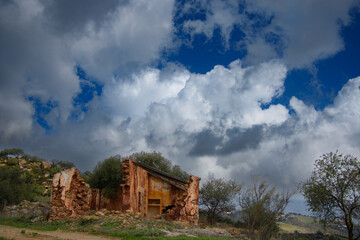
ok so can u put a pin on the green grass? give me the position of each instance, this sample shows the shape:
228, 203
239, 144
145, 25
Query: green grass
25, 222
305, 219
291, 228
144, 229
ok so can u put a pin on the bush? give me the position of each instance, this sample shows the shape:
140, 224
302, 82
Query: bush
15, 186
12, 162
16, 152
156, 160
62, 164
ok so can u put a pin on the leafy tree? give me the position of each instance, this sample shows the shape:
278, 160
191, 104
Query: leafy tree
106, 176
17, 152
333, 190
62, 164
156, 160
15, 186
261, 204
36, 159
217, 196
177, 171
86, 176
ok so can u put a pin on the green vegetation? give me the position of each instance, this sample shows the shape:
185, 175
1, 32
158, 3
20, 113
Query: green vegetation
217, 196
309, 236
333, 190
62, 164
291, 228
261, 204
16, 152
16, 186
141, 229
107, 176
156, 160
24, 177
305, 224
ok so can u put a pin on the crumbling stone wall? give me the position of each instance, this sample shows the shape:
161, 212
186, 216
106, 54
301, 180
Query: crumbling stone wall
187, 206
70, 196
107, 203
126, 201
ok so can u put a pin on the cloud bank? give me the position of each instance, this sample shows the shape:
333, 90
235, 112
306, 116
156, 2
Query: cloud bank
81, 81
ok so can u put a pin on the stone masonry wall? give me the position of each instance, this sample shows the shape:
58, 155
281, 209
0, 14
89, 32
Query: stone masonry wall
70, 196
187, 206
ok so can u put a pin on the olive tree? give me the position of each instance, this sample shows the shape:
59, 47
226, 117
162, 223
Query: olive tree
106, 176
156, 160
261, 204
17, 152
15, 186
217, 196
333, 190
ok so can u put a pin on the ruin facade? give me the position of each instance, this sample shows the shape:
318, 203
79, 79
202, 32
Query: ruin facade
145, 190
70, 195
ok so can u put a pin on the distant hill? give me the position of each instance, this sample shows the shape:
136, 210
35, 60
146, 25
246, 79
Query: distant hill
291, 223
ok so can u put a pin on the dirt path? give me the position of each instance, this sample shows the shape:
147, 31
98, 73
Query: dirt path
18, 233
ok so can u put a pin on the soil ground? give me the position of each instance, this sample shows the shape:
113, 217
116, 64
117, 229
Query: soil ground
25, 234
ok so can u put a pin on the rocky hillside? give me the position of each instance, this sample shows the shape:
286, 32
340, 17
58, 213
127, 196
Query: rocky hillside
25, 177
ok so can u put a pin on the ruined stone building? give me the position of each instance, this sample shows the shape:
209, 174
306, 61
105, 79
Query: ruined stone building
144, 190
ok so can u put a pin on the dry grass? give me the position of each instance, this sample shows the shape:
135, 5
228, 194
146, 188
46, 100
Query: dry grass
284, 227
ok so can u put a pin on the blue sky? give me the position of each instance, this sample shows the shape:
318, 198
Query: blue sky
236, 88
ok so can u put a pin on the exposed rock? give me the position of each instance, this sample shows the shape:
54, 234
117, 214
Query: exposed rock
26, 208
99, 214
70, 197
45, 164
187, 206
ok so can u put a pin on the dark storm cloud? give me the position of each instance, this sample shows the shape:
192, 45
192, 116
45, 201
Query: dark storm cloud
68, 15
205, 143
234, 140
241, 139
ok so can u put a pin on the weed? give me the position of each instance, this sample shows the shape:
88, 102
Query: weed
138, 233
25, 222
86, 221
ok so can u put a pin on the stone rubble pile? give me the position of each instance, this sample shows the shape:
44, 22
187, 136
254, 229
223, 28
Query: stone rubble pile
26, 208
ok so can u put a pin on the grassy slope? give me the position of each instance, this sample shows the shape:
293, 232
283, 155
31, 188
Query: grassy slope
305, 224
285, 227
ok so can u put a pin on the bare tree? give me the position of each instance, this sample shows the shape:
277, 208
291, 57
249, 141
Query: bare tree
261, 204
